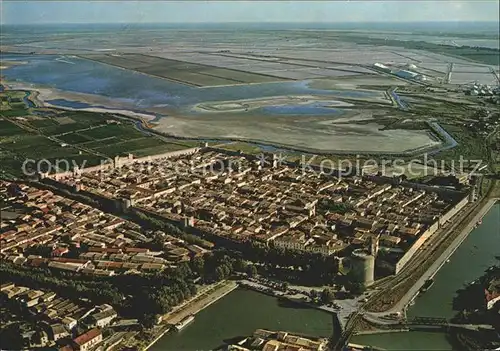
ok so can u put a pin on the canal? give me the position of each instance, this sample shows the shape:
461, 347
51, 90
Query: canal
239, 314
468, 263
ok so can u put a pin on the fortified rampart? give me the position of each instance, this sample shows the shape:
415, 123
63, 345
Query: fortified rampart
429, 232
416, 245
120, 162
123, 161
418, 186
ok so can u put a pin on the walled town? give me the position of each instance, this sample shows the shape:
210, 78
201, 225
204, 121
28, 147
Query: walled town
243, 198
222, 197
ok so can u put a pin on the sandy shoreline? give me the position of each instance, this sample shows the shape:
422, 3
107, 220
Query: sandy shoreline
42, 95
252, 104
104, 110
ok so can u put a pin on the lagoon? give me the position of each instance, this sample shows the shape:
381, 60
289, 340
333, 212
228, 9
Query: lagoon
142, 91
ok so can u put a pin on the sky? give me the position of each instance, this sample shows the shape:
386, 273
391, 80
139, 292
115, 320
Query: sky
93, 11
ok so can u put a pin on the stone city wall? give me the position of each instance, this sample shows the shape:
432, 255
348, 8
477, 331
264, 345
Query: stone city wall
429, 232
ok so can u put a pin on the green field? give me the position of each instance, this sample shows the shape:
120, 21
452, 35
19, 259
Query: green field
131, 145
74, 138
43, 123
14, 113
123, 132
470, 146
77, 137
8, 129
18, 146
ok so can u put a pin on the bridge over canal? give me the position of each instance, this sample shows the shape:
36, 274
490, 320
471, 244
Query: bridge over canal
434, 322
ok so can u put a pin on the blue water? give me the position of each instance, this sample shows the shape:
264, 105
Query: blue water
27, 101
141, 91
311, 109
400, 102
71, 104
449, 143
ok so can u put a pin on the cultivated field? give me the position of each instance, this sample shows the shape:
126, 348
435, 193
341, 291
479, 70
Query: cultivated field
193, 74
18, 145
77, 137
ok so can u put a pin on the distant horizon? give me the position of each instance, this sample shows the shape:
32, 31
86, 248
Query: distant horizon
451, 27
239, 22
220, 12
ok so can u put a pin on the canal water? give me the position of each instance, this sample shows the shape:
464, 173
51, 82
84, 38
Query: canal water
475, 255
239, 314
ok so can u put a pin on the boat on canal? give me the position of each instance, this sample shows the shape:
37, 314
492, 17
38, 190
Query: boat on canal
427, 285
184, 323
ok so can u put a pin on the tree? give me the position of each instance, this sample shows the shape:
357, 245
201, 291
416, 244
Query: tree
192, 289
219, 274
314, 294
149, 320
227, 270
251, 270
357, 288
239, 265
327, 296
198, 264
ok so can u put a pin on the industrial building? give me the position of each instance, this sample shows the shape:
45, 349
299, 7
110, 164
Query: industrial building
406, 74
382, 67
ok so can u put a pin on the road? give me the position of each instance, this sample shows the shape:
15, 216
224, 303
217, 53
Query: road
495, 74
449, 72
472, 327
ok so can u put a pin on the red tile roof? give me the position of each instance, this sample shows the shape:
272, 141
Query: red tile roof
85, 338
